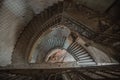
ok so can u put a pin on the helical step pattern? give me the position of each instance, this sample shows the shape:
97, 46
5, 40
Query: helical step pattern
53, 42
39, 24
79, 53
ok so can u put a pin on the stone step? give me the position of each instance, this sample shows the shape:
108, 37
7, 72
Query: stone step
85, 58
85, 61
83, 55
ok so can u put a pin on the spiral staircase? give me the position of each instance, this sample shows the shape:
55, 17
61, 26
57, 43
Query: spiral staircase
53, 29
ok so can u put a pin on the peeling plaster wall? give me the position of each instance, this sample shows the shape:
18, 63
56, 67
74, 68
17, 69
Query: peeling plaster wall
14, 15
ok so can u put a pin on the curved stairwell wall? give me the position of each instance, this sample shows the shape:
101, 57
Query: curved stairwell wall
51, 39
14, 16
35, 28
50, 29
46, 20
50, 16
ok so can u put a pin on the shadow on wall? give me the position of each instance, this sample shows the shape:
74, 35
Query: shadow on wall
14, 15
1, 3
115, 11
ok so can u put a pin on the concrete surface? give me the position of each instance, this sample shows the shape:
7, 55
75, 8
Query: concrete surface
98, 5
